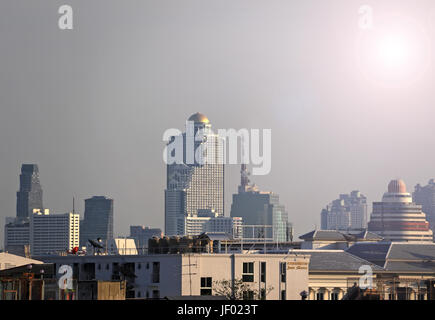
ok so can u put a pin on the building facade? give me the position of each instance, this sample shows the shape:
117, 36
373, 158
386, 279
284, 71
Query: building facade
29, 197
262, 209
196, 180
264, 276
142, 234
425, 196
51, 234
17, 237
195, 225
348, 212
98, 220
398, 218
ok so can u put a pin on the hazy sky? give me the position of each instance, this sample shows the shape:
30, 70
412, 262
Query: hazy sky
90, 105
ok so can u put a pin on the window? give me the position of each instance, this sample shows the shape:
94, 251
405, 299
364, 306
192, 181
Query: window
156, 272
206, 286
263, 294
283, 271
319, 296
248, 295
263, 271
156, 294
334, 296
248, 272
283, 295
138, 294
139, 266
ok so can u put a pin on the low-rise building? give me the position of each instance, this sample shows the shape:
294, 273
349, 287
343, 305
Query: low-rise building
265, 276
329, 239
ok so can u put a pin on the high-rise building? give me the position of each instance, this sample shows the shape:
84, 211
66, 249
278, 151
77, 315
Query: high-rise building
397, 218
348, 212
425, 196
29, 196
196, 182
51, 234
262, 209
98, 220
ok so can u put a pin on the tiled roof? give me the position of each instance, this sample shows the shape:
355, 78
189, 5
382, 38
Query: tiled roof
335, 260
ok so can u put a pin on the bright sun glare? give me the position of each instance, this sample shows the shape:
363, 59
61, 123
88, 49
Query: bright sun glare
395, 52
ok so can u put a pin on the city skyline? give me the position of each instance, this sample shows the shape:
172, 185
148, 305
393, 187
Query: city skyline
98, 129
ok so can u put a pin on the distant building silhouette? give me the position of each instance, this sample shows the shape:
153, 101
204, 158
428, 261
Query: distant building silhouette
425, 196
259, 208
142, 234
348, 212
98, 220
29, 196
29, 199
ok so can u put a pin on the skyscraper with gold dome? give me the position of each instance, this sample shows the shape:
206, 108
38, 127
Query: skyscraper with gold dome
398, 218
197, 184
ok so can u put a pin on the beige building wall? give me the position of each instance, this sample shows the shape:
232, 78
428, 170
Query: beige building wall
227, 267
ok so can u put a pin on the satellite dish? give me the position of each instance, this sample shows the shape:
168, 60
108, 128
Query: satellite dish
96, 244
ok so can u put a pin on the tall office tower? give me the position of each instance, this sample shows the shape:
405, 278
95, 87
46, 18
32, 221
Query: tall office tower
425, 196
348, 212
98, 220
397, 218
53, 234
142, 234
259, 208
197, 181
29, 196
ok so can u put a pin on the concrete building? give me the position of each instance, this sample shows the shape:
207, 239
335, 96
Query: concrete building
29, 197
348, 212
50, 234
197, 182
8, 261
17, 237
142, 234
37, 281
122, 246
259, 208
272, 277
333, 272
210, 221
98, 220
425, 196
329, 239
408, 268
398, 218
